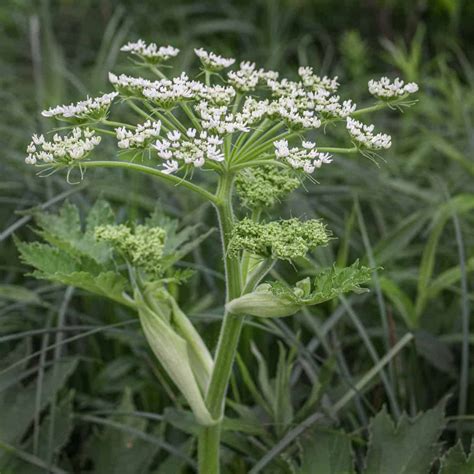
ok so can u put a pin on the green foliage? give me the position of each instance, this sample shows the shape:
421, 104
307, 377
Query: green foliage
265, 186
276, 299
283, 240
455, 461
56, 265
407, 447
21, 404
54, 433
326, 453
120, 451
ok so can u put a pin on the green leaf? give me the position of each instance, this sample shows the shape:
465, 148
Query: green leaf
326, 452
283, 408
408, 448
64, 231
448, 278
175, 354
400, 300
63, 426
332, 282
178, 243
457, 205
55, 265
108, 284
276, 299
116, 451
392, 245
455, 460
18, 403
45, 259
435, 351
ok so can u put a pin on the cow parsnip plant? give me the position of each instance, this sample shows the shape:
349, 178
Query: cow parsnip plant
252, 129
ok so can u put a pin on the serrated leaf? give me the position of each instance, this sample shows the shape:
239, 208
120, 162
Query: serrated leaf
46, 259
455, 460
275, 299
108, 284
326, 453
408, 448
64, 231
332, 282
55, 265
178, 243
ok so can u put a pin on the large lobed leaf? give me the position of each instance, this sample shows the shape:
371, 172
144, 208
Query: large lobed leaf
407, 448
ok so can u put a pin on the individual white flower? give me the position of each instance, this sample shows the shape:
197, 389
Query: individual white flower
63, 149
170, 167
213, 62
385, 89
244, 79
150, 52
140, 137
307, 158
363, 135
90, 109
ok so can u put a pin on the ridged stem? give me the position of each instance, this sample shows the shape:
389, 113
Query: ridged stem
209, 438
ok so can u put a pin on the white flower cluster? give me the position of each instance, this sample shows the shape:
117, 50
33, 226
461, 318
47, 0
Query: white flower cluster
215, 94
219, 120
315, 82
65, 149
385, 89
329, 106
150, 52
364, 137
246, 78
140, 137
190, 148
295, 117
311, 97
166, 93
213, 62
89, 109
129, 85
307, 158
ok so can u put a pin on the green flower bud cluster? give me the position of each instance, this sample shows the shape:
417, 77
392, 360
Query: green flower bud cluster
285, 240
265, 186
142, 247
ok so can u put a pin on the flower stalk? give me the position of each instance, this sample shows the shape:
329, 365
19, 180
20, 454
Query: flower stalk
209, 438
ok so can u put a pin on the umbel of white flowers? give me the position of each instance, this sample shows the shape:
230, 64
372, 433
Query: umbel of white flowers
195, 123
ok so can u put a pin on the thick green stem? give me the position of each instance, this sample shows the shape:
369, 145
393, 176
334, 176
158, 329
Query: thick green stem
209, 439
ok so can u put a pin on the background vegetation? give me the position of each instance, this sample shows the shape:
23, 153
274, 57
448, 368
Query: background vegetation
79, 389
